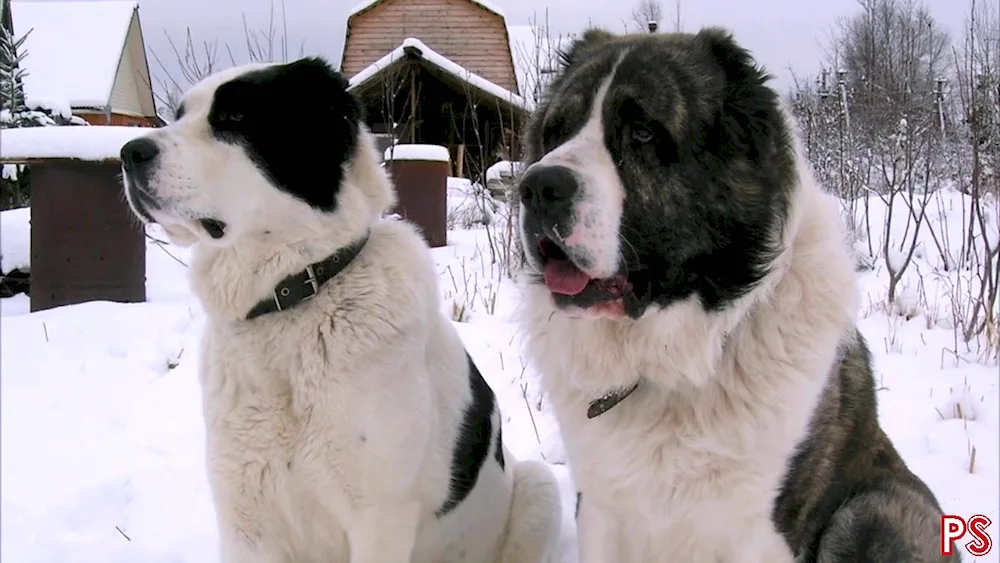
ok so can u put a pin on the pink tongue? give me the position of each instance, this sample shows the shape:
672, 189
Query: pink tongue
561, 276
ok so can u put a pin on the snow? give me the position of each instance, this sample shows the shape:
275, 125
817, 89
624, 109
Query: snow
504, 170
371, 3
523, 47
84, 143
10, 171
83, 71
471, 205
15, 239
443, 63
436, 153
100, 407
54, 106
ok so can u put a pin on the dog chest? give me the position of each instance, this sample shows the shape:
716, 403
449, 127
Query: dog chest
275, 447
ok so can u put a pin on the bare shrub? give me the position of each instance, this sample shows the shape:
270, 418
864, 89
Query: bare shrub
197, 59
905, 130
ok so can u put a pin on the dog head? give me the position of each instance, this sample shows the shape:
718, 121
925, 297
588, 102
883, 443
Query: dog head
660, 168
272, 150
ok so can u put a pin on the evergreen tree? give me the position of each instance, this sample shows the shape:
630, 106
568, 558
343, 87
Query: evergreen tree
16, 111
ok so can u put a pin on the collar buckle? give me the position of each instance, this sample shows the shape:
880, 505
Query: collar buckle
312, 281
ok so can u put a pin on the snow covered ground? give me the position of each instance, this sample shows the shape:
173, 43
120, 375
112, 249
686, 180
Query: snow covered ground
100, 414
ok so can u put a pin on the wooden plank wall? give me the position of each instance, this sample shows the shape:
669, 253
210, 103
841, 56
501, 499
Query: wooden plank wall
118, 119
461, 30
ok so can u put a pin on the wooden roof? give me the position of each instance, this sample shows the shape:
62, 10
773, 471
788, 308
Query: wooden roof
472, 33
369, 4
414, 50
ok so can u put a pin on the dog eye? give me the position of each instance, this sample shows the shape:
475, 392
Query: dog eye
234, 117
642, 134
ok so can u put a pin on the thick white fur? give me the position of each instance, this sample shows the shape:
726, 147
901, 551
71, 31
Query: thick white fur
330, 427
687, 468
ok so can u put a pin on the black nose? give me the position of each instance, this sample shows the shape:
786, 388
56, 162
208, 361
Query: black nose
548, 187
138, 153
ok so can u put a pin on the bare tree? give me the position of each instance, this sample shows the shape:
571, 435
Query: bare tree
977, 71
898, 117
539, 58
899, 165
645, 12
892, 53
678, 23
194, 60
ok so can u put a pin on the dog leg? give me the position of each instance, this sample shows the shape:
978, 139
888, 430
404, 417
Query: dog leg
384, 533
896, 524
535, 520
597, 534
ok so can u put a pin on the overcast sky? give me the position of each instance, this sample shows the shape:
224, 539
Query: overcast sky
782, 33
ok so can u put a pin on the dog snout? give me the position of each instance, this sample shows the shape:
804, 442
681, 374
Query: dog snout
138, 154
548, 189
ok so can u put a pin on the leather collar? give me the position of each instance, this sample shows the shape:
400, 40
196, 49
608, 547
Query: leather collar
609, 400
305, 284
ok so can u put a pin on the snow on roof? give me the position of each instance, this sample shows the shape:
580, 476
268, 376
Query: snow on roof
80, 142
535, 55
371, 3
73, 49
435, 153
441, 62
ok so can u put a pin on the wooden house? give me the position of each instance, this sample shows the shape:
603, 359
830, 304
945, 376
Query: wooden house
89, 56
438, 72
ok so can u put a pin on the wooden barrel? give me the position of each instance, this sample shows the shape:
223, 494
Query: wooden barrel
420, 173
86, 245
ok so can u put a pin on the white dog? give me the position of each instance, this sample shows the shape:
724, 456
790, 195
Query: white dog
345, 420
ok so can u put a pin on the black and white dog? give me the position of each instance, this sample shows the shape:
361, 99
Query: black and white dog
691, 307
345, 421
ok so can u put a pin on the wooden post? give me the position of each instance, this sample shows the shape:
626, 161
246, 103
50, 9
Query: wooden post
413, 104
460, 162
451, 145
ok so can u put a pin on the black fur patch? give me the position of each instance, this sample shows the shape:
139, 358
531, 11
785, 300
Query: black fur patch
498, 450
590, 39
848, 496
701, 147
297, 122
472, 446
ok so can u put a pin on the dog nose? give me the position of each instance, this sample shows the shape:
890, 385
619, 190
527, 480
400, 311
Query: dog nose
138, 153
548, 187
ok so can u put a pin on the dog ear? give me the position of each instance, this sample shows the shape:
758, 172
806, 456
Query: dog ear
745, 104
315, 76
586, 43
736, 61
353, 109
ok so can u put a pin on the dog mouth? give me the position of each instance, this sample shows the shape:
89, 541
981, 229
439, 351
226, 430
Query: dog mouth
567, 280
215, 228
142, 202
